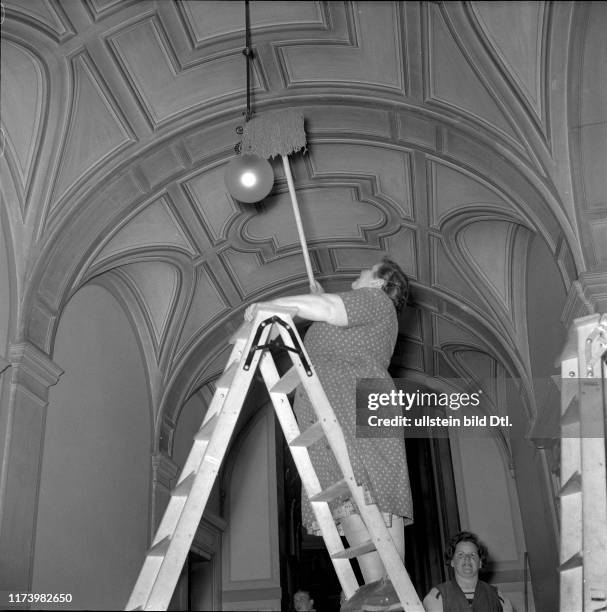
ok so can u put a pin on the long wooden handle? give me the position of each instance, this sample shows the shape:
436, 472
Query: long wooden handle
300, 230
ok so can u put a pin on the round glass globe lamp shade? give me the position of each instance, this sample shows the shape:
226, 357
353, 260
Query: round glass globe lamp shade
249, 178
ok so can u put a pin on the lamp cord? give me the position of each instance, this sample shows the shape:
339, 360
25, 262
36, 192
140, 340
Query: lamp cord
248, 53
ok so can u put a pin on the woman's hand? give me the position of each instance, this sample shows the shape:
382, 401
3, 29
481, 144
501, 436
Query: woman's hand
317, 289
250, 312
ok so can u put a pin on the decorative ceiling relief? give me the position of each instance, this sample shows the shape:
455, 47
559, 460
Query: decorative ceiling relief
453, 81
414, 129
329, 214
390, 170
448, 277
402, 247
214, 206
156, 284
352, 260
252, 274
207, 301
166, 89
330, 120
103, 8
475, 365
371, 58
487, 247
212, 369
209, 21
515, 31
409, 355
154, 227
96, 128
23, 110
44, 15
455, 191
446, 332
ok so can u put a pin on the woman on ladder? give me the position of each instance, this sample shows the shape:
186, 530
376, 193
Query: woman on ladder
353, 336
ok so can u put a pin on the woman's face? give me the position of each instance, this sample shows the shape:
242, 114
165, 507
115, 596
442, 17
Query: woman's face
466, 561
368, 278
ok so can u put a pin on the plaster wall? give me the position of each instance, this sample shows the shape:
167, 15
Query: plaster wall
4, 364
92, 527
488, 505
5, 310
251, 575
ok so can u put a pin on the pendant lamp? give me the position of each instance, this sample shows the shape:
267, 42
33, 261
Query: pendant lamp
248, 177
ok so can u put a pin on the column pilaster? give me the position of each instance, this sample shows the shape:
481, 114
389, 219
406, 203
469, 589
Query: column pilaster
31, 375
164, 475
587, 295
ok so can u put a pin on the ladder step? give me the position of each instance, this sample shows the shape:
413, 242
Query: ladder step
332, 492
207, 429
226, 379
571, 563
572, 414
184, 487
288, 382
309, 436
573, 485
160, 549
355, 551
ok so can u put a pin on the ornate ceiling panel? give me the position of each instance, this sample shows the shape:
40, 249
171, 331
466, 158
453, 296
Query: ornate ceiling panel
516, 32
430, 137
45, 15
23, 104
488, 247
157, 286
447, 276
96, 128
213, 22
163, 86
370, 57
455, 191
155, 227
454, 81
252, 274
390, 174
329, 214
206, 302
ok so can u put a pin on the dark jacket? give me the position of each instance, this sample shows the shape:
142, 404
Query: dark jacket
486, 598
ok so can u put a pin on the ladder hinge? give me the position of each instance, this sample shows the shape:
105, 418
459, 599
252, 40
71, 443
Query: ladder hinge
297, 348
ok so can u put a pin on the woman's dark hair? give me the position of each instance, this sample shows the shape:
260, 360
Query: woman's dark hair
466, 536
396, 283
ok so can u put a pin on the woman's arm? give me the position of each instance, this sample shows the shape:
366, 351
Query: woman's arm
326, 307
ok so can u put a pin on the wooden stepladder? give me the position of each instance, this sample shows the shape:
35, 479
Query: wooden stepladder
583, 495
164, 561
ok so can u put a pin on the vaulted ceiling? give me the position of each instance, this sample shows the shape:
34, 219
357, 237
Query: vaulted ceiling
447, 134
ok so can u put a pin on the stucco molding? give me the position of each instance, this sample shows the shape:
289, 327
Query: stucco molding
164, 470
587, 295
33, 369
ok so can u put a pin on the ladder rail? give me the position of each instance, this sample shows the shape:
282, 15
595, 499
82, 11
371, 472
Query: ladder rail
583, 496
301, 457
159, 575
369, 512
176, 531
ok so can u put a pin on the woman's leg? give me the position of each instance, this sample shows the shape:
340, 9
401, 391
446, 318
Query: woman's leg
356, 533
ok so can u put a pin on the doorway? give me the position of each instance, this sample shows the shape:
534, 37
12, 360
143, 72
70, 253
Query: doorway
304, 561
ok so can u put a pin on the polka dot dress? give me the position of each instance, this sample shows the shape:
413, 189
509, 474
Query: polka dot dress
340, 355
